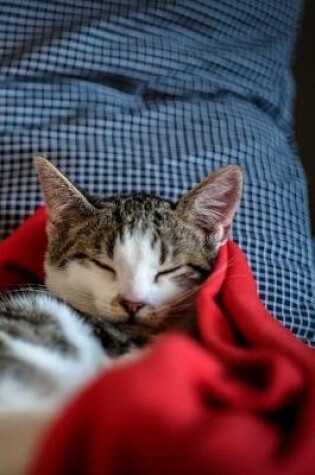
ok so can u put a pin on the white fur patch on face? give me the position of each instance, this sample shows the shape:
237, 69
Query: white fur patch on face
137, 263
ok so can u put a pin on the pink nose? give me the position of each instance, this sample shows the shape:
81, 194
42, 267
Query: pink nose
131, 307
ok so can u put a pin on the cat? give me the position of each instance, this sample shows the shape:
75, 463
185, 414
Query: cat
135, 261
125, 268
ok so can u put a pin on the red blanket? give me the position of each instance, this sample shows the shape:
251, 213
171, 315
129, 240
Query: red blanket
242, 401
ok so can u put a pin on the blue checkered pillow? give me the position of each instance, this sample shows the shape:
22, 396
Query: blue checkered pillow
130, 96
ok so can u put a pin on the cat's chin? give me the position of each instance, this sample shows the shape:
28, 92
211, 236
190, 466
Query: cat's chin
140, 335
132, 323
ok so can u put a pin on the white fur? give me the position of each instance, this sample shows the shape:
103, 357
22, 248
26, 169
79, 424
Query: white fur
96, 291
137, 264
66, 371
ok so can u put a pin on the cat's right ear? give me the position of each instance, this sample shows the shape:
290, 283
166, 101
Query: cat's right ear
211, 204
64, 202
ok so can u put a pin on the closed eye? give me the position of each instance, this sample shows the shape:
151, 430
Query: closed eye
104, 266
79, 256
167, 271
204, 272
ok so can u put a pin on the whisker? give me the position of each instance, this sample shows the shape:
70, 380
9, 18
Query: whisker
23, 287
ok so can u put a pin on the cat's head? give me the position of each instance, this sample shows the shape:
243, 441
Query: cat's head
137, 258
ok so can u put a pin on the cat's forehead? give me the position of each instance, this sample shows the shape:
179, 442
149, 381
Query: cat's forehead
143, 227
135, 210
146, 222
137, 218
137, 246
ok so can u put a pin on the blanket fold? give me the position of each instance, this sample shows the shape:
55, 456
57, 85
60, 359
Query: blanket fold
239, 401
22, 253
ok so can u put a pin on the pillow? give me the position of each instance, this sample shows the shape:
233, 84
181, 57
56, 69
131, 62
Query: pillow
150, 97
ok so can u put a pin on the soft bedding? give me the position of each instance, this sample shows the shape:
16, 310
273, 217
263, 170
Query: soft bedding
129, 96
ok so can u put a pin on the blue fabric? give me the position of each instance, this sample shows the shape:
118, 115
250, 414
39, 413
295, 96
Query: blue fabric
132, 96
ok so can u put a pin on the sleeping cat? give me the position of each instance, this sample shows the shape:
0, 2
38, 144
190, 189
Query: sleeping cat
129, 266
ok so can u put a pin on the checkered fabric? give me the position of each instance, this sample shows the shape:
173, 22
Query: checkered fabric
149, 96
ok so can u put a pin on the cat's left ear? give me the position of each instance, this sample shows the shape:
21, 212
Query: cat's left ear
64, 202
212, 203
